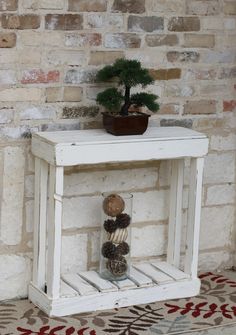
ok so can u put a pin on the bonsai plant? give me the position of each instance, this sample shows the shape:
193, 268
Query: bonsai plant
118, 119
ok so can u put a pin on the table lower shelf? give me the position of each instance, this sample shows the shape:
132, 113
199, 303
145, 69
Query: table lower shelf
87, 291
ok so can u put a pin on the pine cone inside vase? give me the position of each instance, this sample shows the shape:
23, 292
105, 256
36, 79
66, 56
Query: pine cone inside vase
110, 225
117, 266
123, 220
108, 250
123, 248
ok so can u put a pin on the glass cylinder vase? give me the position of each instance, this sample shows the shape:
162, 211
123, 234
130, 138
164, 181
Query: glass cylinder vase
116, 236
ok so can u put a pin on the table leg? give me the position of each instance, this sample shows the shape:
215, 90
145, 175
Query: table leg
40, 222
194, 214
175, 216
54, 231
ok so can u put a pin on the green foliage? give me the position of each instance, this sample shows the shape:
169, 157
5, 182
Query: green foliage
111, 99
129, 73
145, 99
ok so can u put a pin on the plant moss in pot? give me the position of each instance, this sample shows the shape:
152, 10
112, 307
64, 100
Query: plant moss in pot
122, 115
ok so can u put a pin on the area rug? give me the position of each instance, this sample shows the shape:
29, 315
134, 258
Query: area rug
214, 307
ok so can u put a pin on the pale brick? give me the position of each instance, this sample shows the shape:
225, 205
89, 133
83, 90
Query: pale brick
17, 133
74, 76
203, 7
87, 6
59, 126
230, 7
7, 40
220, 194
219, 168
169, 109
183, 57
72, 94
20, 94
8, 56
199, 41
12, 195
113, 21
148, 58
92, 92
83, 40
149, 241
211, 261
8, 5
43, 4
62, 57
29, 186
224, 142
38, 113
15, 276
53, 94
165, 6
150, 206
200, 107
197, 74
156, 40
145, 23
52, 38
82, 212
74, 253
110, 180
35, 38
230, 23
211, 234
6, 115
164, 173
94, 239
165, 74
7, 77
186, 123
29, 56
213, 89
29, 216
179, 91
212, 56
104, 57
121, 41
212, 23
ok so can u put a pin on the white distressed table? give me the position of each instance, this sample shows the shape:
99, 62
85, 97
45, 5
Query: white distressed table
148, 282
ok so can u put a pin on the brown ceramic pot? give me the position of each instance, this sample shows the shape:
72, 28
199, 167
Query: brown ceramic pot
132, 124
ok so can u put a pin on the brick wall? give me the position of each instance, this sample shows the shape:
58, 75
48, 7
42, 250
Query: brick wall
49, 54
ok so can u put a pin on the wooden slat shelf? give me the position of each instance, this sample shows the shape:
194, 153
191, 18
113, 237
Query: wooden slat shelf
86, 291
71, 284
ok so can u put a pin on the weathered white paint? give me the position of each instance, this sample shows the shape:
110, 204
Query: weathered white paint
175, 218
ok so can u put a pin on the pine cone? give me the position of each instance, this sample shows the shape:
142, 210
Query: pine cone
123, 248
108, 250
117, 266
123, 220
110, 226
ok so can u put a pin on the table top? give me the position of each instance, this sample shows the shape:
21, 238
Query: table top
81, 137
97, 146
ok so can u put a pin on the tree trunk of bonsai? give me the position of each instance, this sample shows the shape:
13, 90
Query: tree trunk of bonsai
125, 108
